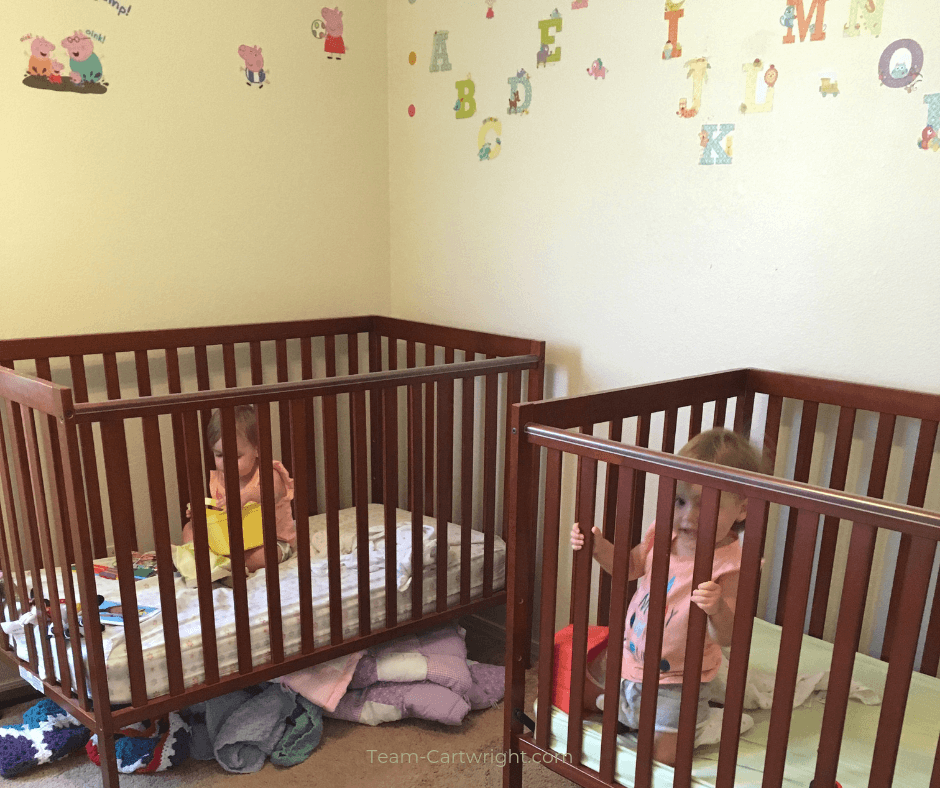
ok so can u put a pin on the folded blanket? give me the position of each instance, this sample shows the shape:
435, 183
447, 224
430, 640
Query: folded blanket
425, 675
324, 684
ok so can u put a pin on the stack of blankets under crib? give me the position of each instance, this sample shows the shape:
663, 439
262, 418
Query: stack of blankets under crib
425, 675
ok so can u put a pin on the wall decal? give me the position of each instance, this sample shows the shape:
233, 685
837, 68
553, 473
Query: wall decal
575, 4
489, 9
901, 64
330, 26
545, 55
698, 73
412, 58
794, 16
759, 87
828, 84
486, 150
929, 139
864, 14
254, 65
411, 110
466, 104
674, 12
85, 74
439, 61
521, 78
712, 152
598, 69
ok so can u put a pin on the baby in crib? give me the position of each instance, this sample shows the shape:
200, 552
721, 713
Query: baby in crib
716, 597
249, 480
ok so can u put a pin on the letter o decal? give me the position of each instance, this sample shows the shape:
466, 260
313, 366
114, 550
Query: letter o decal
917, 63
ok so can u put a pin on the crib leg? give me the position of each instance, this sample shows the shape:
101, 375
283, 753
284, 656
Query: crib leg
512, 771
110, 777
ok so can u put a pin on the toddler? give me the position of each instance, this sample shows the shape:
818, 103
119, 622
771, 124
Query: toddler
249, 480
716, 597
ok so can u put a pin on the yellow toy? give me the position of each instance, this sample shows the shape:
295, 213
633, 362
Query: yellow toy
217, 522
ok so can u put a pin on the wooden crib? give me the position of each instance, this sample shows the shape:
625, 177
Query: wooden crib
381, 422
846, 578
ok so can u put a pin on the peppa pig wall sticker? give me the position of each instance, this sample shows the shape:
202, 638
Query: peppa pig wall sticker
330, 27
254, 66
45, 72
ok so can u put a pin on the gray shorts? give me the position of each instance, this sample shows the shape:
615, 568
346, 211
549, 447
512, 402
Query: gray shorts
668, 702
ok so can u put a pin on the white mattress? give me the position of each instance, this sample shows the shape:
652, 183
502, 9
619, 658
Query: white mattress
918, 739
188, 606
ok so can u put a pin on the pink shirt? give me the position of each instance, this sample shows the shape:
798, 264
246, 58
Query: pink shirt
678, 604
251, 492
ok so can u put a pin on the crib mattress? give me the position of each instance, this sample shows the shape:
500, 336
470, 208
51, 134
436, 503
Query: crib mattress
187, 601
918, 740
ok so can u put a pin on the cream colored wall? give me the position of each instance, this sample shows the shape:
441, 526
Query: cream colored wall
182, 196
597, 230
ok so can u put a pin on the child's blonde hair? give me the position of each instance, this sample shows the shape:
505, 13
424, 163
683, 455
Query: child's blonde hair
246, 425
724, 447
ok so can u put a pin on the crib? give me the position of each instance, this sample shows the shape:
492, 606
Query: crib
848, 528
394, 432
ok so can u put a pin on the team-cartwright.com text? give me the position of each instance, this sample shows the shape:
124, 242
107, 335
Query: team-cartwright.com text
441, 756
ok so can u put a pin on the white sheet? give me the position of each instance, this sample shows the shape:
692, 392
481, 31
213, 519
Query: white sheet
918, 739
223, 600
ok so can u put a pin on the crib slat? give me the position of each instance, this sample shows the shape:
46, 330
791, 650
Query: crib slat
153, 454
489, 479
695, 644
445, 481
331, 472
772, 431
306, 373
257, 367
623, 543
916, 494
830, 532
193, 465
935, 776
174, 385
930, 660
848, 632
901, 663
233, 508
111, 377
269, 531
410, 362
804, 457
582, 566
9, 528
352, 368
671, 418
720, 413
430, 441
615, 433
744, 414
44, 539
655, 624
89, 462
742, 631
14, 460
298, 426
466, 482
550, 538
280, 352
639, 491
361, 496
586, 525
201, 357
513, 396
390, 499
117, 474
375, 416
695, 420
416, 499
228, 364
790, 641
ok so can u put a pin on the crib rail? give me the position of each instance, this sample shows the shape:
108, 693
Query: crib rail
811, 505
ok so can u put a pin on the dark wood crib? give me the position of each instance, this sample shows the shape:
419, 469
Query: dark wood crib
102, 447
847, 580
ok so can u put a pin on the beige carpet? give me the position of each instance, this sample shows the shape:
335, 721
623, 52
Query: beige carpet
343, 757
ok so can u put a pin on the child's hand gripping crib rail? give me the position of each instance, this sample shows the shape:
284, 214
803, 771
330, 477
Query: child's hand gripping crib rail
90, 464
897, 741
